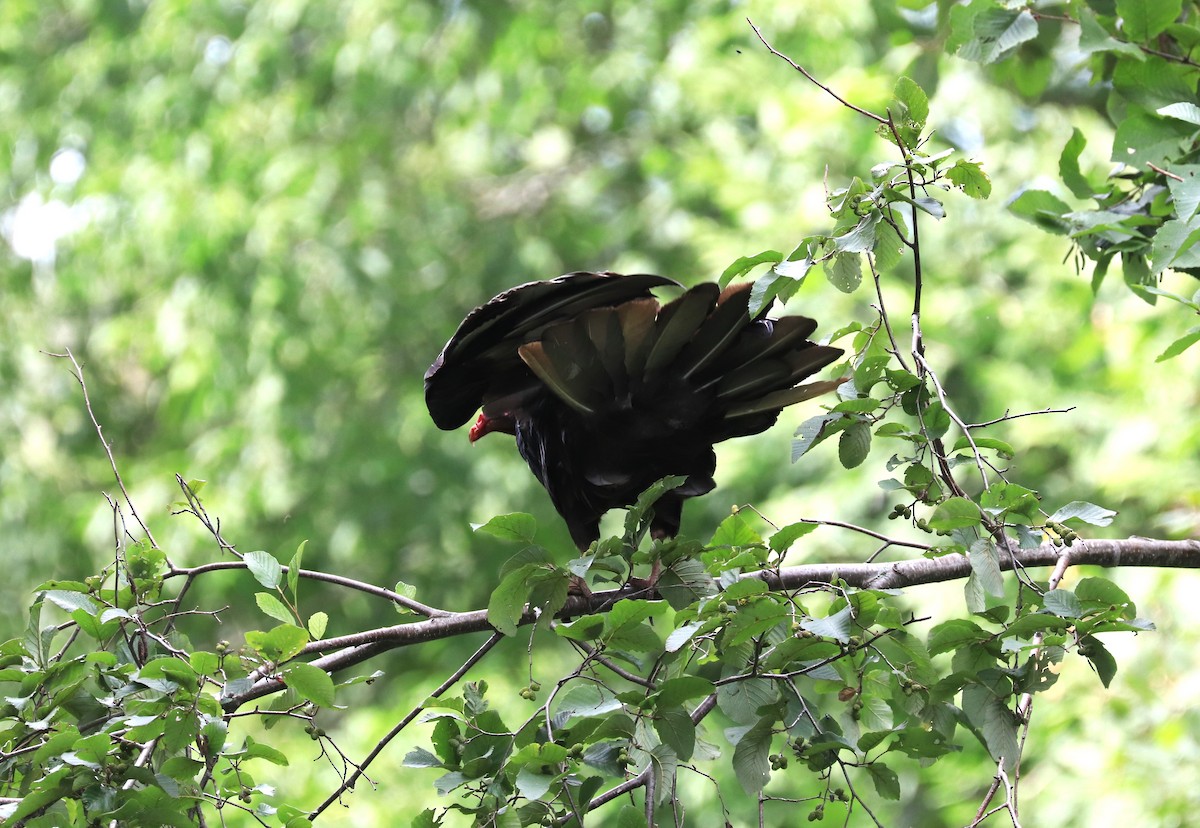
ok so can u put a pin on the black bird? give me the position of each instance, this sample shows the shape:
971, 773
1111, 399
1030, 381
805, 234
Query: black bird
607, 391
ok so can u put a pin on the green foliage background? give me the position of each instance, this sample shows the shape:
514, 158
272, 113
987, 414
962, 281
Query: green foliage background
287, 207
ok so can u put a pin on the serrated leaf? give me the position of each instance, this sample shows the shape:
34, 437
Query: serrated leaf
681, 635
1180, 345
677, 731
71, 601
1002, 449
969, 177
994, 722
1101, 659
1068, 166
836, 626
1063, 603
421, 758
751, 761
996, 32
280, 643
908, 92
265, 569
844, 271
317, 622
507, 602
1087, 512
294, 566
783, 539
955, 513
676, 691
985, 564
518, 526
811, 432
854, 445
1146, 19
745, 264
1043, 209
273, 607
887, 782
310, 682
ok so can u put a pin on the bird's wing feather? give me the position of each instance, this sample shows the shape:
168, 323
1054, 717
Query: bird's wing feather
676, 325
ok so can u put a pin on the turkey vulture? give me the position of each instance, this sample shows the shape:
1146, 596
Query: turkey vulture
607, 391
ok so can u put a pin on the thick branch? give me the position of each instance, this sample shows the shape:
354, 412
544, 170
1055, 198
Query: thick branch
355, 649
1128, 552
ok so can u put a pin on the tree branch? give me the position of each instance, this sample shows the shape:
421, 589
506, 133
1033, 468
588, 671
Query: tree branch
355, 649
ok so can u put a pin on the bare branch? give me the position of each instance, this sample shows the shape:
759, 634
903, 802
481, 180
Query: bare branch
804, 72
112, 462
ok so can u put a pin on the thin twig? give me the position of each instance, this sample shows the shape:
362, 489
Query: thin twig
112, 462
1006, 417
804, 72
403, 723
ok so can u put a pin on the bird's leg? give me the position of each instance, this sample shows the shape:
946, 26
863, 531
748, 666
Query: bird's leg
658, 534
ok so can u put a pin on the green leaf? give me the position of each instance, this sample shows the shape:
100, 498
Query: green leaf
1141, 138
955, 513
950, 635
677, 731
969, 177
811, 431
1099, 656
994, 722
1068, 166
518, 526
1180, 345
311, 682
844, 271
996, 32
1042, 209
854, 445
70, 601
735, 530
936, 419
751, 760
1186, 192
273, 607
1063, 603
317, 622
1183, 111
985, 564
420, 758
1103, 591
1086, 512
631, 817
745, 264
1146, 19
507, 602
914, 99
887, 781
835, 626
1002, 449
676, 691
260, 751
294, 566
280, 644
265, 569
783, 539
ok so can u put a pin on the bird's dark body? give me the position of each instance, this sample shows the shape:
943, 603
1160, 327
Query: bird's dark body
607, 392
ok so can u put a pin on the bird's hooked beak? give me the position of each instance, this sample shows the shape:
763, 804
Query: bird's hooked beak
486, 425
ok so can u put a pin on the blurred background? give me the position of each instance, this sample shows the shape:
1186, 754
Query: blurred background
256, 224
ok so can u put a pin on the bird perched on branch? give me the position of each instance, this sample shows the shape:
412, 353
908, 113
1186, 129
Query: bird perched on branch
607, 391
